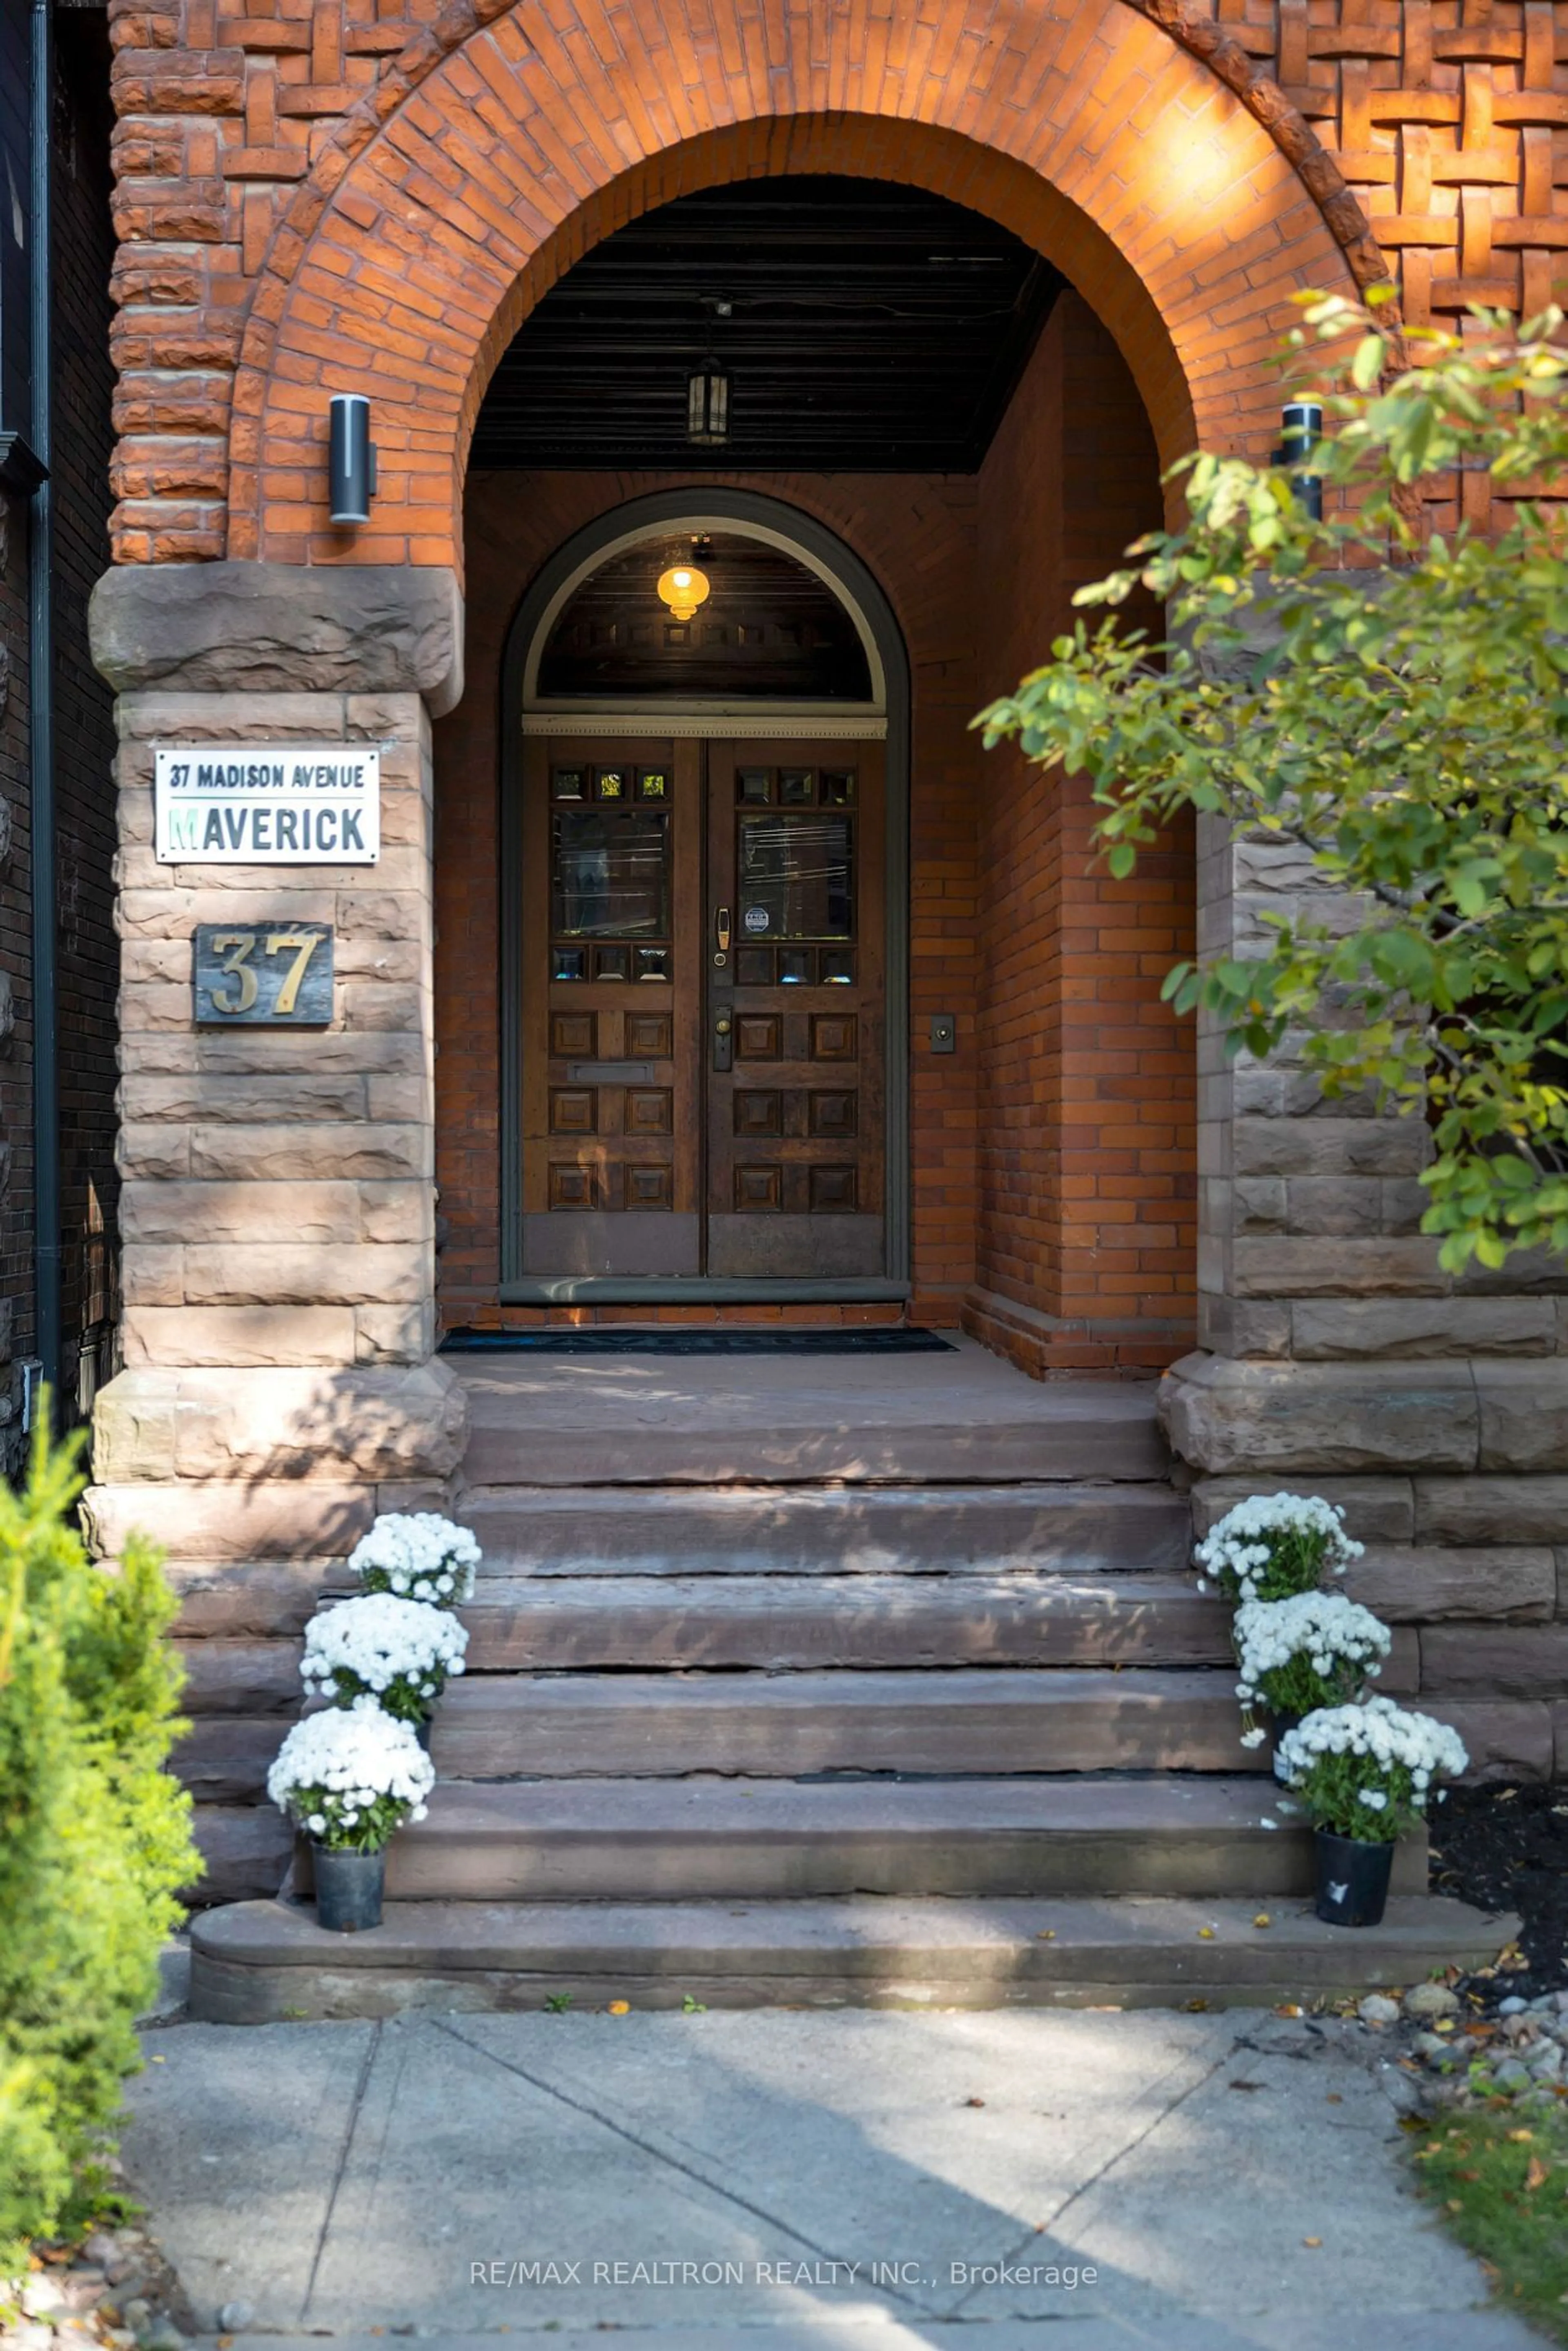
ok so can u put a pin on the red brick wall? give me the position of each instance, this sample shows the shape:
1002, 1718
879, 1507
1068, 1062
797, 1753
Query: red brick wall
918, 535
1054, 1167
320, 196
1087, 1084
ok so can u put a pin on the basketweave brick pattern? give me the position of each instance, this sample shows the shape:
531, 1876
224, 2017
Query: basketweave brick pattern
312, 198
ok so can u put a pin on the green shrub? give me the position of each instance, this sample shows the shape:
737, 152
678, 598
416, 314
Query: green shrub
94, 1841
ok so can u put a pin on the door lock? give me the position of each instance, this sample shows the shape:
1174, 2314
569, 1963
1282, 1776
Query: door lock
722, 1043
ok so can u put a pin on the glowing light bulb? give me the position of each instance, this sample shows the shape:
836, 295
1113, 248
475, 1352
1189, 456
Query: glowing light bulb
682, 587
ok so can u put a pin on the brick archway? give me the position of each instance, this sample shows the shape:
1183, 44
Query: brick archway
503, 152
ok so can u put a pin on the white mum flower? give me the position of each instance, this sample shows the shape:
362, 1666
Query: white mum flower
418, 1554
1239, 1549
379, 1644
335, 1767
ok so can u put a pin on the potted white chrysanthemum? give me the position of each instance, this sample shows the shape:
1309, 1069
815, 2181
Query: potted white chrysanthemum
349, 1778
1275, 1545
399, 1652
1315, 1649
1366, 1773
417, 1555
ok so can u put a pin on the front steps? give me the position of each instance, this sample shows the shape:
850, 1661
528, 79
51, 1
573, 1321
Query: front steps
702, 1839
260, 1962
873, 1726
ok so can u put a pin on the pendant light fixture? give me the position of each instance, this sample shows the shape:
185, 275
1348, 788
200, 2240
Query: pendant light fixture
707, 406
682, 587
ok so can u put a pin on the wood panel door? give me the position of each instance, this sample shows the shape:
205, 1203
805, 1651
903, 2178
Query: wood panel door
796, 1015
702, 1010
611, 1008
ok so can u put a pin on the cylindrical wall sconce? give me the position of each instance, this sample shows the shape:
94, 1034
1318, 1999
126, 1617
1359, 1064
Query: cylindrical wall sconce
1300, 430
351, 459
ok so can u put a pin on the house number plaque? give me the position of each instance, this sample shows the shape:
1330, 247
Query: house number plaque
263, 975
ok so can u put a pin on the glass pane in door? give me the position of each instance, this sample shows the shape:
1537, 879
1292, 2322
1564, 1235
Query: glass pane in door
610, 873
797, 874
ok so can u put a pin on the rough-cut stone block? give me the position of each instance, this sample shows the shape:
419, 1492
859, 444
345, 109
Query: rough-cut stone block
151, 1152
1376, 1509
154, 716
394, 1421
237, 1600
1330, 1146
386, 1273
1404, 1584
306, 1212
133, 1427
257, 1053
1494, 1661
1341, 1328
1524, 1415
1244, 1326
1334, 1205
241, 1335
397, 1212
1507, 1739
230, 1676
243, 628
370, 1423
267, 1519
1325, 1267
225, 1759
395, 1334
1266, 1418
172, 914
244, 1851
418, 1494
1531, 1272
151, 1276
290, 1096
270, 1152
1486, 1509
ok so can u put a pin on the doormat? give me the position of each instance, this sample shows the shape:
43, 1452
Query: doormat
734, 1340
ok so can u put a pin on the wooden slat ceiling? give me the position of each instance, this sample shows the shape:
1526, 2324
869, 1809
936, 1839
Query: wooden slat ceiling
871, 328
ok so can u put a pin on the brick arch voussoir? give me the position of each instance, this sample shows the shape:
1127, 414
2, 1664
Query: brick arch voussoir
605, 206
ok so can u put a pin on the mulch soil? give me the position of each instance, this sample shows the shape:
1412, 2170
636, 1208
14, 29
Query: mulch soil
1506, 1848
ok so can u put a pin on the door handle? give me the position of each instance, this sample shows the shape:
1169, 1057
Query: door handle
721, 930
722, 1043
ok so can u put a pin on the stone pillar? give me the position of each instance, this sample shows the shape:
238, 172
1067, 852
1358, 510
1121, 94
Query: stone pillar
280, 1383
1336, 1357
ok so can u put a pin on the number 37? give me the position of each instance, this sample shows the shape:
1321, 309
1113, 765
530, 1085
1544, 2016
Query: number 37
239, 947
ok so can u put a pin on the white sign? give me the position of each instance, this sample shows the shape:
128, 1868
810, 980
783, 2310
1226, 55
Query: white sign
267, 804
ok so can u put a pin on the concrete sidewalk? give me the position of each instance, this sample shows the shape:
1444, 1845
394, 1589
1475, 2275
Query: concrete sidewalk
857, 2178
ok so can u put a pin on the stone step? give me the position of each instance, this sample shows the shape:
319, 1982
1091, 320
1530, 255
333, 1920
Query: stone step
788, 1622
805, 1529
782, 1623
782, 1725
257, 1962
707, 1839
920, 1420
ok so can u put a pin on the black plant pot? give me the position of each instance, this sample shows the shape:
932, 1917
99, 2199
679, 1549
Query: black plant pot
349, 1888
422, 1731
1353, 1879
1278, 1724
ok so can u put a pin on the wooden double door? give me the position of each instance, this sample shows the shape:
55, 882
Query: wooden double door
703, 1017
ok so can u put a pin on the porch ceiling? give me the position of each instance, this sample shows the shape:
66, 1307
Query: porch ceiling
870, 328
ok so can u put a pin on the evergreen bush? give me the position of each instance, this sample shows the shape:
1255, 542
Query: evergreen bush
94, 1841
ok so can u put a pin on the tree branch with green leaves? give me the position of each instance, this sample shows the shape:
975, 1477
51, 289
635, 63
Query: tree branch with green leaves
1393, 701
